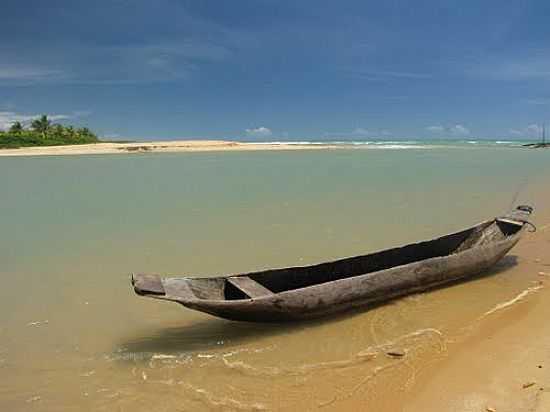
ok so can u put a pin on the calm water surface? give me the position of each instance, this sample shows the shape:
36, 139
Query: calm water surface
73, 336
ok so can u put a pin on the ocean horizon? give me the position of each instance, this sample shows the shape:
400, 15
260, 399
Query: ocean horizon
405, 143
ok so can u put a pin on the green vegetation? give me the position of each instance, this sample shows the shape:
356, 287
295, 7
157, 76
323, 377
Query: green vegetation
43, 133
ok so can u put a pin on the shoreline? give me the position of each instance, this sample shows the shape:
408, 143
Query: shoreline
173, 146
503, 364
498, 362
186, 146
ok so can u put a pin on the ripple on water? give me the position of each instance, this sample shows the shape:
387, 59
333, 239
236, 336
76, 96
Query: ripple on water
521, 296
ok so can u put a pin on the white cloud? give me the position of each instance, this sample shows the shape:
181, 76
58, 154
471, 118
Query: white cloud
460, 130
259, 132
55, 117
530, 64
435, 129
9, 118
359, 131
404, 75
455, 130
383, 75
6, 106
28, 73
187, 49
128, 64
532, 130
81, 113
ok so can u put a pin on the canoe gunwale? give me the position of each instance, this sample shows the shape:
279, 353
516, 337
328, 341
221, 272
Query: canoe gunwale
471, 251
304, 303
339, 282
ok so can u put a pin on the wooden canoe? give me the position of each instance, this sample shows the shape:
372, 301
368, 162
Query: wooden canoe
311, 291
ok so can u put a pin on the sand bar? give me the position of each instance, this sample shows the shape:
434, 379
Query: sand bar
173, 146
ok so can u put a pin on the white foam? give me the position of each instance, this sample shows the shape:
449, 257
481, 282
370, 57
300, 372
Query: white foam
163, 356
402, 146
403, 142
298, 143
38, 323
221, 403
511, 302
381, 143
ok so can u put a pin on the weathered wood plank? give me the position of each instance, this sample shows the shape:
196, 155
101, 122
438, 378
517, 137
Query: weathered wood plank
510, 221
252, 288
148, 284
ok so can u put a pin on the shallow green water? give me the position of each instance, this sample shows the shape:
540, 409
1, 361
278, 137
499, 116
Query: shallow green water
73, 335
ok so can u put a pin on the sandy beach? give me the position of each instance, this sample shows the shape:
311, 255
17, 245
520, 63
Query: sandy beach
196, 146
173, 146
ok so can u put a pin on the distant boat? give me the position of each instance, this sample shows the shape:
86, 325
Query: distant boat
303, 292
542, 143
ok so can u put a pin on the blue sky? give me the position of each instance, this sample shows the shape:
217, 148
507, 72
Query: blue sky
279, 70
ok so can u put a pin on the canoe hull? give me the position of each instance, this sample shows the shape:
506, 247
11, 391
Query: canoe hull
305, 292
346, 294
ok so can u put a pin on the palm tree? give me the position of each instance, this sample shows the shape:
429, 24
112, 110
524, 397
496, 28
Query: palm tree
70, 131
41, 125
16, 128
58, 130
85, 133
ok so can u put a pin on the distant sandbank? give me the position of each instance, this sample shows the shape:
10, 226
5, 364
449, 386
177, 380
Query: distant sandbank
157, 147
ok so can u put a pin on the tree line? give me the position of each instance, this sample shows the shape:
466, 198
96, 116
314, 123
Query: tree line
42, 132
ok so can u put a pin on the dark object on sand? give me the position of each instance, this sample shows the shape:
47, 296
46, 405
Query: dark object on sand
537, 145
312, 291
542, 144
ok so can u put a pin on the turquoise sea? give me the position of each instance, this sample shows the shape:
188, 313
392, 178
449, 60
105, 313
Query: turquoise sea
403, 143
73, 336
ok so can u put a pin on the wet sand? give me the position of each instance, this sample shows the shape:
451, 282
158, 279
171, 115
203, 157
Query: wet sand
498, 363
174, 146
503, 363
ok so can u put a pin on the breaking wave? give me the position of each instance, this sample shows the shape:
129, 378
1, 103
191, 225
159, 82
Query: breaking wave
394, 144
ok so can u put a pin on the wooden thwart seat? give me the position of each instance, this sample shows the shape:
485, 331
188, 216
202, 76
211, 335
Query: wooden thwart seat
510, 221
249, 286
